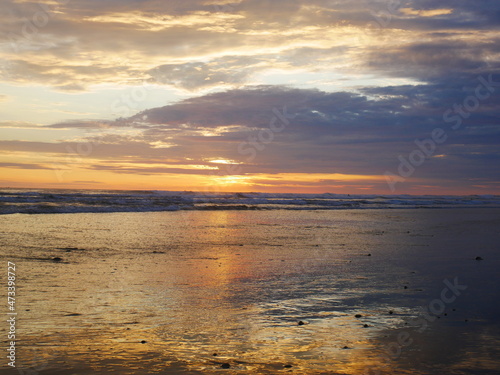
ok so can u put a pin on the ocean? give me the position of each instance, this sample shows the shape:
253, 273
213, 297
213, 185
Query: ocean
248, 283
74, 201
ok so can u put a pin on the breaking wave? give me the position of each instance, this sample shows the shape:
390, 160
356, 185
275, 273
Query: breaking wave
14, 201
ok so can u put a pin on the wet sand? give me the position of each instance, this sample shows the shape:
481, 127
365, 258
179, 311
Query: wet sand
224, 292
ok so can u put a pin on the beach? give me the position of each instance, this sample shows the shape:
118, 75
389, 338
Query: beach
406, 291
250, 187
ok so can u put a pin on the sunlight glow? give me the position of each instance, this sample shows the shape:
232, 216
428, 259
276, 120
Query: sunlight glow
223, 161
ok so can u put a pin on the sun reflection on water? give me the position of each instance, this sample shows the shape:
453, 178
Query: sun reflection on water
167, 291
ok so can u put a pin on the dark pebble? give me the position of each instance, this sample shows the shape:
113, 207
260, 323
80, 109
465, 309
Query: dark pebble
215, 354
391, 312
368, 255
479, 258
358, 316
345, 347
405, 287
143, 341
301, 323
56, 259
225, 365
288, 366
366, 325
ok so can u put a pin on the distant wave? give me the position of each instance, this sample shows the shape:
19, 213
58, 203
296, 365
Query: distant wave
16, 201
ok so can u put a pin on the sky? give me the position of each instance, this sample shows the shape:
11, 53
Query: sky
316, 96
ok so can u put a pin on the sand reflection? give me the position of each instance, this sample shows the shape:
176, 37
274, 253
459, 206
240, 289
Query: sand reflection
191, 291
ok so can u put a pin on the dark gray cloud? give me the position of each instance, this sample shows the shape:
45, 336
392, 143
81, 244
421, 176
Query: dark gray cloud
83, 124
327, 133
442, 50
22, 166
438, 61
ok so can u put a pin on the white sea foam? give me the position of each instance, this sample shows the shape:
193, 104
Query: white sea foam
73, 201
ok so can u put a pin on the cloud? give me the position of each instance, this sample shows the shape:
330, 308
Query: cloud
218, 72
82, 124
438, 60
238, 63
195, 45
19, 125
425, 13
23, 166
327, 133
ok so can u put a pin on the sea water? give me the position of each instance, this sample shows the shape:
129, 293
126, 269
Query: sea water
346, 291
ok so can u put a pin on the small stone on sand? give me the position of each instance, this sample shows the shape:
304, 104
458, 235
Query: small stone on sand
143, 341
301, 323
225, 365
56, 259
358, 316
479, 258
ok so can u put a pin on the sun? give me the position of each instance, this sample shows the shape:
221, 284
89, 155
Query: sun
232, 180
223, 161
